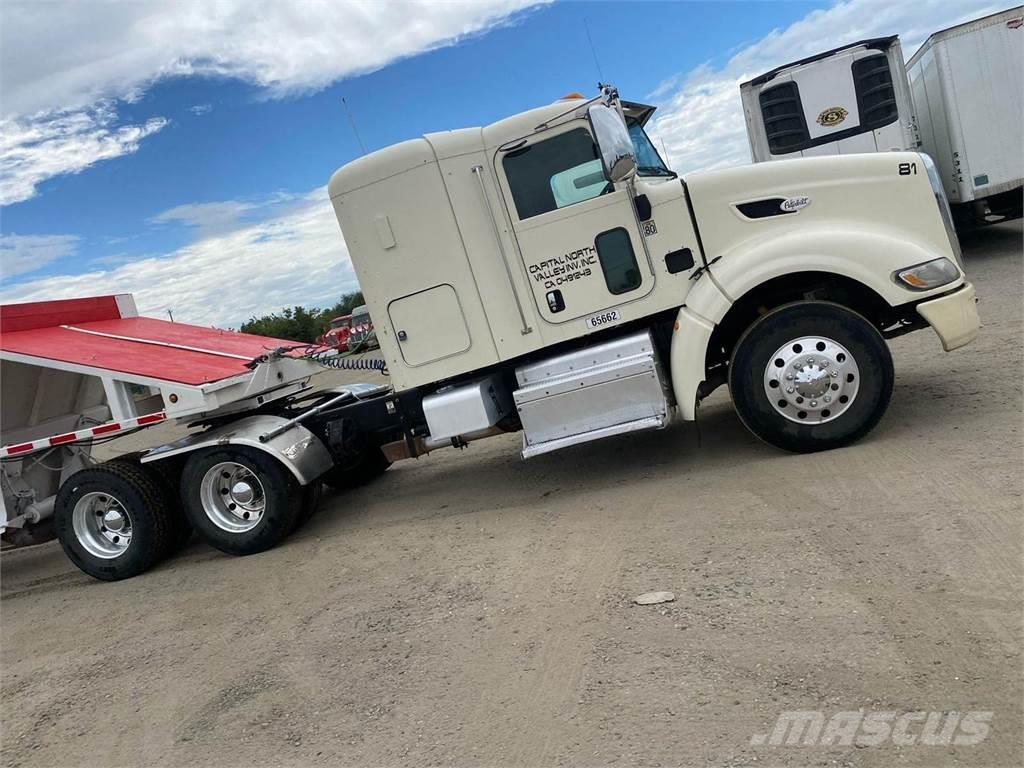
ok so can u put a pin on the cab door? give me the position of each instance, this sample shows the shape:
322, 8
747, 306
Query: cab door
577, 234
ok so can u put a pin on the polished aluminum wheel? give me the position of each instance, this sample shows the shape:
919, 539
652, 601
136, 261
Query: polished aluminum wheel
232, 497
811, 380
102, 525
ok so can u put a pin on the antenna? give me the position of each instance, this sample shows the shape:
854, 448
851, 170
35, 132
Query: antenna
593, 50
353, 123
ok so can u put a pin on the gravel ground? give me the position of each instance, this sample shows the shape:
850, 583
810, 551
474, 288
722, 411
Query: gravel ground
470, 608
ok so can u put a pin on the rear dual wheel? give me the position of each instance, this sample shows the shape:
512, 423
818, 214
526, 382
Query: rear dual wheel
114, 521
811, 376
242, 501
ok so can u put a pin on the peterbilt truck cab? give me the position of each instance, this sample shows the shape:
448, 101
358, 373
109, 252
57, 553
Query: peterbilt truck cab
550, 273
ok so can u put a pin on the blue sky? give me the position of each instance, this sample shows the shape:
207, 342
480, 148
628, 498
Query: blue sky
190, 171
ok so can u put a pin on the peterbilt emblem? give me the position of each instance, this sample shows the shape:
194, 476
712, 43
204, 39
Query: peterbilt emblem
832, 116
792, 204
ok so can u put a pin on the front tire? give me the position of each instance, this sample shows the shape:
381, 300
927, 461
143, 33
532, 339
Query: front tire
811, 376
240, 501
112, 520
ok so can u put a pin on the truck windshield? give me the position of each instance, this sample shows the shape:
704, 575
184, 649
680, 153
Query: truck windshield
648, 161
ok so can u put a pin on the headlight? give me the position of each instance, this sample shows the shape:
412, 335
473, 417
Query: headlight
924, 277
944, 212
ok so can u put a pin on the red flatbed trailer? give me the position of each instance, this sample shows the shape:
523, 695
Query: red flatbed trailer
79, 370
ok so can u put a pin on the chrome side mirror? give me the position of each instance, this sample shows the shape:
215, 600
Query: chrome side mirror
609, 129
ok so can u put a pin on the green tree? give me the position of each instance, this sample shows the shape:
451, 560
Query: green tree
300, 324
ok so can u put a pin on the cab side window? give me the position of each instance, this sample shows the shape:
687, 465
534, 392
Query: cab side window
551, 174
618, 261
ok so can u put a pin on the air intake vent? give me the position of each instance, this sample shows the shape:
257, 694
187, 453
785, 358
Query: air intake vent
876, 99
783, 116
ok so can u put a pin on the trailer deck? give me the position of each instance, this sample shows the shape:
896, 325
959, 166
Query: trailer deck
106, 334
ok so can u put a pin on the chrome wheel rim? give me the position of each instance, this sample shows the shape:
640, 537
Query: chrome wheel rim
811, 380
232, 497
102, 525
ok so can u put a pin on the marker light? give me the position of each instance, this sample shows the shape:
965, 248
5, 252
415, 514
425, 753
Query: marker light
931, 274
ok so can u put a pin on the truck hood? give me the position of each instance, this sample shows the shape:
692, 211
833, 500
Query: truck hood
887, 193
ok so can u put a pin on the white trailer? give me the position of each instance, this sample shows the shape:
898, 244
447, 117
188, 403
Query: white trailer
960, 100
851, 99
967, 86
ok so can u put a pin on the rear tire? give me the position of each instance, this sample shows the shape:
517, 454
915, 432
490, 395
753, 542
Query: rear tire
239, 500
310, 502
167, 476
811, 376
179, 528
370, 464
112, 520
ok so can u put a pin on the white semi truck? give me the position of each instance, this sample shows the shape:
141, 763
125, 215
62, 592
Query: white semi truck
960, 100
547, 274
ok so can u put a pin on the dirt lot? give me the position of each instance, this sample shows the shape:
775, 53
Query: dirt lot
475, 609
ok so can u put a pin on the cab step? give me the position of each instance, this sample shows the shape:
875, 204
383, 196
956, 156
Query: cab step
606, 389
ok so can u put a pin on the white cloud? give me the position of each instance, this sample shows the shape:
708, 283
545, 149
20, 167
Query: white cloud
208, 218
56, 107
21, 254
103, 50
40, 147
201, 109
702, 125
297, 256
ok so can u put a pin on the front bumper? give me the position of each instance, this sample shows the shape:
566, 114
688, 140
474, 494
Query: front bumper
954, 317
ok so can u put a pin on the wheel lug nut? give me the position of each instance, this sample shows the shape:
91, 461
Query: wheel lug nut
789, 377
814, 403
834, 374
827, 398
789, 390
824, 363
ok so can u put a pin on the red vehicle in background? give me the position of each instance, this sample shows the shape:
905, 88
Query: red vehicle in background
337, 334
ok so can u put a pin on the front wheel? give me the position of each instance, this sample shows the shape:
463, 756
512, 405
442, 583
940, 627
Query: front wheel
240, 501
811, 376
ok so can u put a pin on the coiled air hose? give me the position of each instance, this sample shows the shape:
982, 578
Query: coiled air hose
347, 363
328, 358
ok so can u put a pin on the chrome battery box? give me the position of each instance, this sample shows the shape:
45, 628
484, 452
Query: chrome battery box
466, 408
